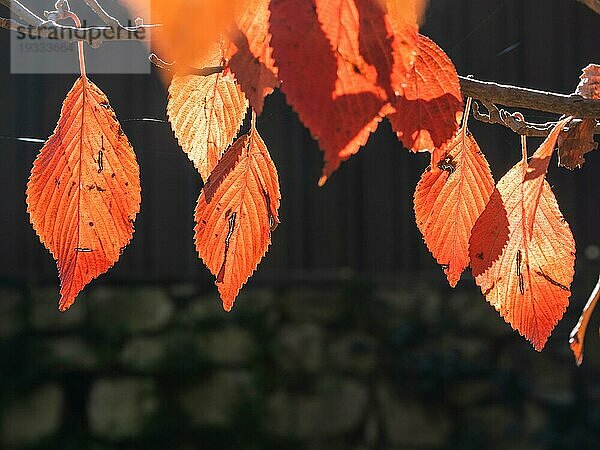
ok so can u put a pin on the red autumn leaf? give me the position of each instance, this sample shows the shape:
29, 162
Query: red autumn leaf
522, 250
250, 53
84, 190
427, 115
206, 113
337, 60
450, 200
236, 213
579, 139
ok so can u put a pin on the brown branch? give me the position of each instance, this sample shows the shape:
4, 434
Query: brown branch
594, 5
518, 97
578, 334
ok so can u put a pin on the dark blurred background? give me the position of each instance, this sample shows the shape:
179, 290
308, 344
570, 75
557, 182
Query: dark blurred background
347, 337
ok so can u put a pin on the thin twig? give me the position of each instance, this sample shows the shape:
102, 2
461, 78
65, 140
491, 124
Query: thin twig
95, 36
104, 16
594, 5
63, 9
179, 69
513, 121
22, 12
516, 123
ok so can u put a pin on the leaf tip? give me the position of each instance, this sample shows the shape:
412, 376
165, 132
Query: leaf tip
227, 304
453, 281
577, 351
65, 303
576, 346
539, 345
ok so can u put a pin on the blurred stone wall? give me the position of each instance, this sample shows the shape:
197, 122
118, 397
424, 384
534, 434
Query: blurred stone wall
346, 366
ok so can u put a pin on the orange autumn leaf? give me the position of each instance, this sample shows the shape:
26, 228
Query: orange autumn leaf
579, 139
401, 25
407, 10
206, 113
428, 112
236, 212
84, 191
420, 8
187, 27
522, 250
449, 201
337, 60
575, 143
589, 86
250, 53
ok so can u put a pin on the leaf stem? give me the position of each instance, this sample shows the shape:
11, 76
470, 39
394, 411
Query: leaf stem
467, 113
71, 15
520, 116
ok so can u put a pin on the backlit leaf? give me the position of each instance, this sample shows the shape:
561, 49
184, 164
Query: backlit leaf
449, 200
427, 114
84, 191
589, 86
337, 60
206, 113
236, 212
421, 7
575, 143
522, 250
188, 27
579, 139
407, 10
250, 54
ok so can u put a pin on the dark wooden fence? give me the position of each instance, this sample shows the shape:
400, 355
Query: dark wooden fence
362, 221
